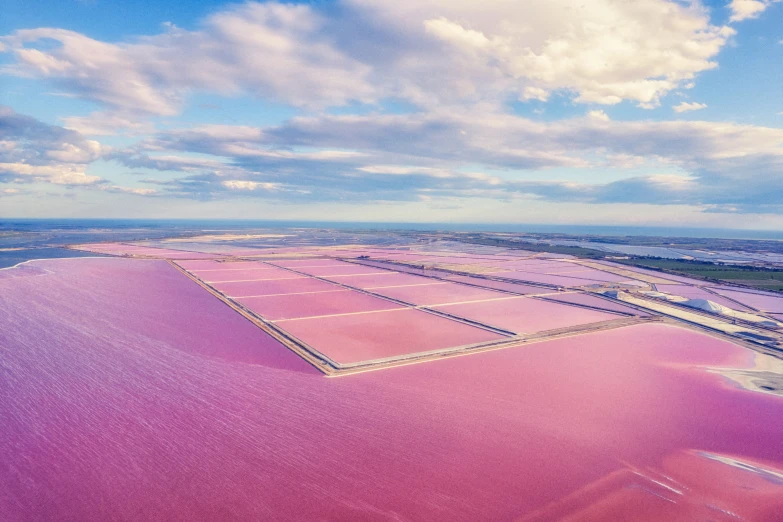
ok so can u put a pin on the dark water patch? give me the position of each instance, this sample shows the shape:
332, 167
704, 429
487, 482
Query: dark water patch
14, 257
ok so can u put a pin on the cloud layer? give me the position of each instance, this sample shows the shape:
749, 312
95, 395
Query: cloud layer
435, 154
34, 151
454, 64
426, 52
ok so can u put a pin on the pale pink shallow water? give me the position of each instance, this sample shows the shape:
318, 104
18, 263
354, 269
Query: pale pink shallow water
297, 263
595, 275
693, 292
281, 285
526, 315
223, 266
501, 285
263, 273
765, 303
535, 266
590, 276
119, 403
335, 270
378, 335
259, 273
438, 293
381, 280
21, 270
199, 264
544, 278
275, 286
308, 305
598, 302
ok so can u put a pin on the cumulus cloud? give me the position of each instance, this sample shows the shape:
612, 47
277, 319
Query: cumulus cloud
270, 50
429, 52
31, 150
598, 115
602, 51
747, 9
689, 106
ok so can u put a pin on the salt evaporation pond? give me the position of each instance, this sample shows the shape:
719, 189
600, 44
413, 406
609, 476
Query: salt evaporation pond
130, 393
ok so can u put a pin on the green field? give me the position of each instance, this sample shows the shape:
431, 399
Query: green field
748, 276
755, 277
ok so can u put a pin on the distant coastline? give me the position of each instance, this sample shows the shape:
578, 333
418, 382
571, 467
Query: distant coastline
35, 224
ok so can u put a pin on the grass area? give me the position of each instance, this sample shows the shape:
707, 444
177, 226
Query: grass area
763, 279
755, 277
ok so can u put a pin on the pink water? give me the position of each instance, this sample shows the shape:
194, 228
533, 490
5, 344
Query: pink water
219, 266
598, 302
500, 285
534, 265
296, 263
255, 274
308, 305
765, 303
595, 275
383, 279
527, 315
198, 264
21, 270
378, 335
692, 292
572, 271
346, 269
544, 278
129, 393
274, 286
438, 293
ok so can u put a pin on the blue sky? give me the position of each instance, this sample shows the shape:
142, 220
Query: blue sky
656, 112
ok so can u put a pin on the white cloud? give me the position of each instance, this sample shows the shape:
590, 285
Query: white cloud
270, 50
689, 106
108, 124
57, 174
747, 9
602, 51
598, 115
235, 184
429, 52
459, 62
673, 181
34, 151
403, 156
130, 190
